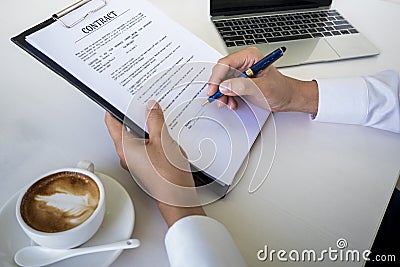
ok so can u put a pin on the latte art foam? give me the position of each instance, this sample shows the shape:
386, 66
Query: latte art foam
60, 202
74, 207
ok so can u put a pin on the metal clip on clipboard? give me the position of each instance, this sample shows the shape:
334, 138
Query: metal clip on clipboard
73, 7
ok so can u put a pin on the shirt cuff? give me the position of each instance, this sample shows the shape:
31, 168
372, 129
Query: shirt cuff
343, 100
201, 241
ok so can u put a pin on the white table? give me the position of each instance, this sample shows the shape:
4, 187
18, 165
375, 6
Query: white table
327, 182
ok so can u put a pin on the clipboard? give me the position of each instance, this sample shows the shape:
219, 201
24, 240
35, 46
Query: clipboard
201, 178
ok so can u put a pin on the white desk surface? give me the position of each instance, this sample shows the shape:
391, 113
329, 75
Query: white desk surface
327, 182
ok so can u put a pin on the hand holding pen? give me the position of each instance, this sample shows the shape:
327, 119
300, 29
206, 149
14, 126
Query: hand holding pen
257, 89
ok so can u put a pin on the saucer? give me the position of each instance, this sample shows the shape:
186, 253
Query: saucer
117, 225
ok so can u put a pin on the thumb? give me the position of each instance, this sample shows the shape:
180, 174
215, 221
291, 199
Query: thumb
237, 87
154, 119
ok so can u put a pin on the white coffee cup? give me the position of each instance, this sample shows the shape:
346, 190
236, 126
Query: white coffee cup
63, 207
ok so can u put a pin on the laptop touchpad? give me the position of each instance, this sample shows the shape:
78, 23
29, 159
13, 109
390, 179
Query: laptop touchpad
301, 52
352, 45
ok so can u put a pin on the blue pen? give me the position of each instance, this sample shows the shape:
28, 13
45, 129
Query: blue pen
253, 70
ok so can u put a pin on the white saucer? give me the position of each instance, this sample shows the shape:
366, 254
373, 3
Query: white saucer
117, 225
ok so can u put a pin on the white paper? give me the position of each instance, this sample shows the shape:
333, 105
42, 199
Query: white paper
128, 52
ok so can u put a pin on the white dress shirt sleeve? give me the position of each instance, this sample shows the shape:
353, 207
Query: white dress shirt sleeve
201, 241
370, 101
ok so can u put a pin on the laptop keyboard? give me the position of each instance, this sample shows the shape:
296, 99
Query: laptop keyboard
283, 27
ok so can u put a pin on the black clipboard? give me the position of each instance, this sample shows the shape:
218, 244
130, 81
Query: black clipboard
201, 178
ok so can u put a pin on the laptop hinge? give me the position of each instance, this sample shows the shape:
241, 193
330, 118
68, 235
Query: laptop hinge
269, 13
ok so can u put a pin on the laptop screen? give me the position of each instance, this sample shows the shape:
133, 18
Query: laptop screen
237, 7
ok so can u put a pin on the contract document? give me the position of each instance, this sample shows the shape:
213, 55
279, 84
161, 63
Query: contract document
128, 52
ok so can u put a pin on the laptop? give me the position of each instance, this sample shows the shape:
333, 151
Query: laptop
309, 29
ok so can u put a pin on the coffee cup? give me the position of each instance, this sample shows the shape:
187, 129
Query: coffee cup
63, 208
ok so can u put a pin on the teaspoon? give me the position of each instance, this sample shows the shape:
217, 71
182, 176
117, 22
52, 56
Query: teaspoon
34, 256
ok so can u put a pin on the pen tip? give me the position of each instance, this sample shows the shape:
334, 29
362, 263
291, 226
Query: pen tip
283, 49
205, 103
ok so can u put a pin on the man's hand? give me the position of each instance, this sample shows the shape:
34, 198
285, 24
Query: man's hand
159, 164
269, 89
